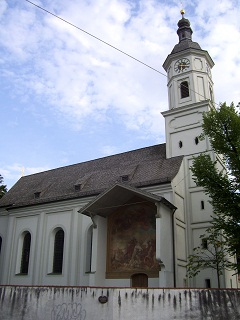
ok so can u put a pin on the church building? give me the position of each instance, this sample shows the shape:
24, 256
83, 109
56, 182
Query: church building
127, 220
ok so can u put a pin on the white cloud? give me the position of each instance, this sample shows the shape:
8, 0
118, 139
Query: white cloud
87, 83
14, 172
221, 39
109, 150
82, 77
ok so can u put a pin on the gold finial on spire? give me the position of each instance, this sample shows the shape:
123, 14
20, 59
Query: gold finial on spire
182, 11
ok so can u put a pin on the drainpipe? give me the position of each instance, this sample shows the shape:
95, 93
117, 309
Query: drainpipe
174, 254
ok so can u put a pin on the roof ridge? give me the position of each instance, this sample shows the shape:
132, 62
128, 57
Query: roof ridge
93, 160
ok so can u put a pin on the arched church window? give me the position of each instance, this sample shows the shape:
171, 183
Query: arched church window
58, 251
180, 144
89, 249
25, 253
184, 89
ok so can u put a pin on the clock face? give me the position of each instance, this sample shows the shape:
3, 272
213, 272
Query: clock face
182, 65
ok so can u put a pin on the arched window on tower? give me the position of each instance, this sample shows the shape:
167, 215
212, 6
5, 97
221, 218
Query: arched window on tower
58, 251
26, 246
184, 89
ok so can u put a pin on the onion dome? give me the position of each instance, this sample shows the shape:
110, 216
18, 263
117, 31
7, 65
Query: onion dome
185, 35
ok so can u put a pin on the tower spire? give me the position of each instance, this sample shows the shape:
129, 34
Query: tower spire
184, 30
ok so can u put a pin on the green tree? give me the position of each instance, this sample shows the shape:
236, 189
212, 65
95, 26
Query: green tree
222, 182
212, 253
3, 188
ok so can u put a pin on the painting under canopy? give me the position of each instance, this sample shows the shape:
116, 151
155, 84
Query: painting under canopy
132, 240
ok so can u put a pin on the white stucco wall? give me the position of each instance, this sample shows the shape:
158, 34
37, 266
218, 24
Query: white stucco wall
41, 221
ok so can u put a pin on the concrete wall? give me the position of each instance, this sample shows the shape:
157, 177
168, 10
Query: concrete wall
82, 303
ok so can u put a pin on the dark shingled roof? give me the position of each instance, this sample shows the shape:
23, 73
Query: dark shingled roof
184, 45
146, 166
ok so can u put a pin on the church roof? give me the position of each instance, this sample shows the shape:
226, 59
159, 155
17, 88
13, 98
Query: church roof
138, 168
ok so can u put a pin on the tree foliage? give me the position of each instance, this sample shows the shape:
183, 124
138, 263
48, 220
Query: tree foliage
220, 177
212, 253
3, 188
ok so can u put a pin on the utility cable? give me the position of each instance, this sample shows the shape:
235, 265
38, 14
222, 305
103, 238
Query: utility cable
91, 35
110, 45
121, 51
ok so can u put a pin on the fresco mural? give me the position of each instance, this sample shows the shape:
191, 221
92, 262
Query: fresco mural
132, 240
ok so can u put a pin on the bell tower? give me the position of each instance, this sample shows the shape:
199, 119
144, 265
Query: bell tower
190, 93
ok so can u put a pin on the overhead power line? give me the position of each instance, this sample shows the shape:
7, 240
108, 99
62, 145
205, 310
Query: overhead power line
91, 35
108, 44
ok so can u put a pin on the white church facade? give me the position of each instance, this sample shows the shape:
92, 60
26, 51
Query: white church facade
130, 219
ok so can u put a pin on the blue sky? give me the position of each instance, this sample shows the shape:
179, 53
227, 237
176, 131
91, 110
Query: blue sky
66, 97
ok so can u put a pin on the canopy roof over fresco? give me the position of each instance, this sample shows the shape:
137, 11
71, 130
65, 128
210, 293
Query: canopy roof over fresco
117, 196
